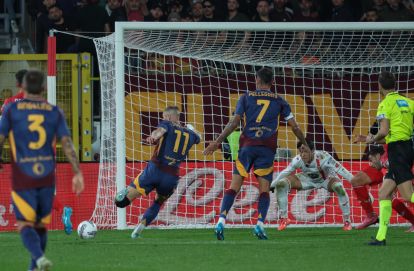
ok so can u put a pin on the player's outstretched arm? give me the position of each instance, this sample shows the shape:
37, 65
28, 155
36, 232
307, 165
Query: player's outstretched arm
230, 127
156, 135
329, 164
69, 150
297, 131
286, 172
382, 132
366, 139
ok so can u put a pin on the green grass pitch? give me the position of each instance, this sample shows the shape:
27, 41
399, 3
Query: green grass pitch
294, 249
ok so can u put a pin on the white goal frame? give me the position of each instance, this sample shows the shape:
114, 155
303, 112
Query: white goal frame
120, 27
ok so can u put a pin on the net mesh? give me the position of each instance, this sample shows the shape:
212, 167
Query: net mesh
328, 77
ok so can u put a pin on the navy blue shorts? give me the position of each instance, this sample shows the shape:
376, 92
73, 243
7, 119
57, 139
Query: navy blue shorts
258, 157
33, 205
153, 178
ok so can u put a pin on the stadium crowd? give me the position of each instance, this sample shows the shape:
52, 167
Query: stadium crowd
94, 17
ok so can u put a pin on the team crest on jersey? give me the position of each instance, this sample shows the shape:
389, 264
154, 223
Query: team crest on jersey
402, 103
38, 169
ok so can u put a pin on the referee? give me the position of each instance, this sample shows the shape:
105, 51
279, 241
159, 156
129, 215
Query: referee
395, 118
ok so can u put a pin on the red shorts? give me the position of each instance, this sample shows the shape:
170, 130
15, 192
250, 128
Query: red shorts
374, 174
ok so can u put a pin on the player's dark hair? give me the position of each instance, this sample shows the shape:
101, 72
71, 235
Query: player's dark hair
376, 149
387, 80
265, 75
310, 143
34, 82
19, 76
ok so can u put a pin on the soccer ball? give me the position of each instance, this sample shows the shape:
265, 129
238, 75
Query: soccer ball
87, 230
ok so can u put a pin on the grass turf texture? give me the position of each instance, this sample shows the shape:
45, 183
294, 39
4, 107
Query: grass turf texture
294, 249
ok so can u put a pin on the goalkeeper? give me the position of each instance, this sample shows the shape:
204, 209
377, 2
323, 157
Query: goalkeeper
318, 170
173, 143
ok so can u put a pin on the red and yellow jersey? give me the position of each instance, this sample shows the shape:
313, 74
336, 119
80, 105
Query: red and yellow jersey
19, 96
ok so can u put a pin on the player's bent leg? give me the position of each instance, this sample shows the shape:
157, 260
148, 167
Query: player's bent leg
406, 191
263, 206
399, 206
336, 186
282, 190
359, 182
385, 194
149, 215
126, 196
227, 203
32, 242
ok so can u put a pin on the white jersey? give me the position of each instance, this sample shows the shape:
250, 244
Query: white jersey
322, 167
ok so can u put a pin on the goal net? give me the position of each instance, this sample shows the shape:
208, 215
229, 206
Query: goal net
327, 73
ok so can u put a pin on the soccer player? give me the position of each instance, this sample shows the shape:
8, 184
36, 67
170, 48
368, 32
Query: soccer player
318, 169
20, 93
395, 116
372, 175
57, 205
261, 110
32, 126
161, 173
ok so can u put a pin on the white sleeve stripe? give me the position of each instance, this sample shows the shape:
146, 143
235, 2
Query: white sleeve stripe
289, 117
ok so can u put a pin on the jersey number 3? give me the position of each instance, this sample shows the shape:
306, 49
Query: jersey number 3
178, 140
265, 104
36, 126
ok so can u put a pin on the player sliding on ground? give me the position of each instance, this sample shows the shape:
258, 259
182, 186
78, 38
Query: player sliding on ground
261, 110
32, 126
372, 175
318, 170
161, 173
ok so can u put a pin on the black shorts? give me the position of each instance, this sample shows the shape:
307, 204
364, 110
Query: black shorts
400, 158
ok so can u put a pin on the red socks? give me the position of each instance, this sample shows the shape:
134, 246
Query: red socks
57, 205
399, 206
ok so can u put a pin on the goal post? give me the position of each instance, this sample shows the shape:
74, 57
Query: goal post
327, 72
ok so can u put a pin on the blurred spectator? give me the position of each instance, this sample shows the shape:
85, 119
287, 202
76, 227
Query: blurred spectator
9, 8
43, 24
263, 11
208, 11
176, 7
371, 15
233, 14
281, 12
136, 10
379, 5
306, 12
156, 14
185, 16
69, 7
341, 12
396, 11
64, 43
116, 12
93, 21
174, 17
409, 4
197, 11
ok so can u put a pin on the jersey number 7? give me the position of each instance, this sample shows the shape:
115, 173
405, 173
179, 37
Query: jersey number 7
265, 104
